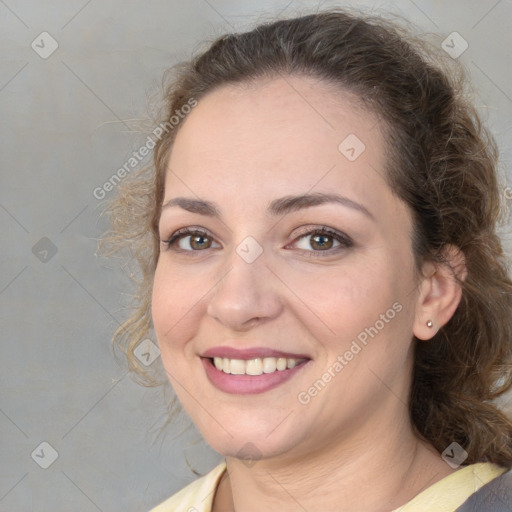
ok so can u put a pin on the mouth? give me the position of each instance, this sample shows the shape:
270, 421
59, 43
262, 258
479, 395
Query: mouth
255, 366
243, 372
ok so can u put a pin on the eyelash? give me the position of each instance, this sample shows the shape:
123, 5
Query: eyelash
345, 242
182, 233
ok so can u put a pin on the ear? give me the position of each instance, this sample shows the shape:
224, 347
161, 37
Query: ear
440, 292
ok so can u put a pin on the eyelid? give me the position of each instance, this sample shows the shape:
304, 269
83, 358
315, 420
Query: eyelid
344, 240
312, 228
184, 232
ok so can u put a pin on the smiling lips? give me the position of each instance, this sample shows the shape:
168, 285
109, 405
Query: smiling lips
250, 371
256, 366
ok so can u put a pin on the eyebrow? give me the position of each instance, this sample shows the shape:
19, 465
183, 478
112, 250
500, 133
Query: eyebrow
277, 207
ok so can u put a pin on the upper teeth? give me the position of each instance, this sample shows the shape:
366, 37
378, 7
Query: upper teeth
255, 366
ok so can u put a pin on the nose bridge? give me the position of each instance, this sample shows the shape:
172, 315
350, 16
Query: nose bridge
247, 276
247, 291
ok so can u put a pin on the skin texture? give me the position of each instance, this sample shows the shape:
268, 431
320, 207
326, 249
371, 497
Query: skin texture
243, 147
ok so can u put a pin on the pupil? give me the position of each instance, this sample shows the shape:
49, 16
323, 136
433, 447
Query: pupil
321, 242
199, 242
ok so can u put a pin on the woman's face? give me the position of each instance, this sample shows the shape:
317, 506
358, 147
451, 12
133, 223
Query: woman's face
284, 248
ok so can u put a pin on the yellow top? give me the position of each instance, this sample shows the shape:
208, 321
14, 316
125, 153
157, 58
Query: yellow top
446, 495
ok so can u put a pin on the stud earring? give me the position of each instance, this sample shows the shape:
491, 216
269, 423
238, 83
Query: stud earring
429, 323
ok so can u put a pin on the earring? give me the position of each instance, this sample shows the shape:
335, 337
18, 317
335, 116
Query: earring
429, 323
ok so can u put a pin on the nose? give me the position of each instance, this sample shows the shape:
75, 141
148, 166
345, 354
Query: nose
248, 295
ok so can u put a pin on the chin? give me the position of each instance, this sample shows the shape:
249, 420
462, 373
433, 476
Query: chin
251, 443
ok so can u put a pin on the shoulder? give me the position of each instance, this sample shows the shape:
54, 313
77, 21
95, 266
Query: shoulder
195, 497
495, 495
451, 492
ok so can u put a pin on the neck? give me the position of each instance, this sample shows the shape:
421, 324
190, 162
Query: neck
372, 471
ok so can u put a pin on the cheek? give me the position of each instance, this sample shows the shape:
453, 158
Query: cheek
350, 295
364, 301
176, 304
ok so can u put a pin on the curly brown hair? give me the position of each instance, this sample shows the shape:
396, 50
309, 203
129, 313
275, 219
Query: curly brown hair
441, 162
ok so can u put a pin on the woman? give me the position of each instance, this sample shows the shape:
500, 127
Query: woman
328, 291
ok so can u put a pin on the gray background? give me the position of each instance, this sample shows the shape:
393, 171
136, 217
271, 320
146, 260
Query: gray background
67, 123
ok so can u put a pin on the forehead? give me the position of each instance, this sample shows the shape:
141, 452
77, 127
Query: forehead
288, 134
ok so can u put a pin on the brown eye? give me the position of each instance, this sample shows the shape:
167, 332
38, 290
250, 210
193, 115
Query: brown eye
195, 242
191, 240
317, 242
321, 242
